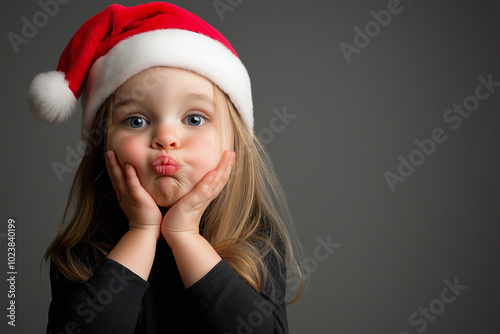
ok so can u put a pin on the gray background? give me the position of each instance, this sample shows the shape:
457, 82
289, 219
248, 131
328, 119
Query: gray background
352, 122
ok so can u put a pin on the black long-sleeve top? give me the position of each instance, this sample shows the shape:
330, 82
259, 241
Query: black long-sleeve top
116, 300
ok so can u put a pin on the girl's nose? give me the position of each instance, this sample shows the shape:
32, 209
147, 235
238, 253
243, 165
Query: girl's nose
166, 137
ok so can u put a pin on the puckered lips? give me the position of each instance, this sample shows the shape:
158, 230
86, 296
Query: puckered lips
165, 165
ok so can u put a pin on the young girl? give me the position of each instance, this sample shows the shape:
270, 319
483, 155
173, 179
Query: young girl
178, 222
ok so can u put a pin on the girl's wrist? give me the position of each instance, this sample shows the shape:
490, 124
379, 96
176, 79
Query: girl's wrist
193, 254
174, 238
146, 231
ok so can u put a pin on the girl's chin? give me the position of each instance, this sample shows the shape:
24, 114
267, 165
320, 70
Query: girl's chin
164, 202
166, 191
166, 199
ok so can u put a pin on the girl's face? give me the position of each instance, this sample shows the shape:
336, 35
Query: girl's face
167, 112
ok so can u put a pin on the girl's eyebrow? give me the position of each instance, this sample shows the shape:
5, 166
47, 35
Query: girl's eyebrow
199, 97
123, 102
187, 98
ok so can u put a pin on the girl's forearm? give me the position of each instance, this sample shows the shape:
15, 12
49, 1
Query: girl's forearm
194, 256
136, 251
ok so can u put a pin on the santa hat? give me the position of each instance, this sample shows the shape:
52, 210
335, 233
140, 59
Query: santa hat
120, 42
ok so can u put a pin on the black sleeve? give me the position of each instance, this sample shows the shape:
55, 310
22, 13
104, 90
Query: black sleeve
229, 305
108, 302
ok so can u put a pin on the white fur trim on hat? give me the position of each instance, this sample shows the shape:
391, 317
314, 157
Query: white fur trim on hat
50, 98
168, 47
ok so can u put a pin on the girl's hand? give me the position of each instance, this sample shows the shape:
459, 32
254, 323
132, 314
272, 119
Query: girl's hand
185, 215
137, 204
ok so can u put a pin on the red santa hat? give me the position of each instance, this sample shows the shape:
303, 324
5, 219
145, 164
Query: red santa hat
120, 42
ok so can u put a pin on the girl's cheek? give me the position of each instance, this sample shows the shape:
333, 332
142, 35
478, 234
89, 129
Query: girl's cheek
127, 150
206, 157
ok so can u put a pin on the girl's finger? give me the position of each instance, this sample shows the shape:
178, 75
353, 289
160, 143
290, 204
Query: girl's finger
232, 160
205, 189
223, 164
224, 170
224, 177
134, 185
115, 172
211, 184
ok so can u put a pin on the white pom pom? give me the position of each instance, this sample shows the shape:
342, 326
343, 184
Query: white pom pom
50, 98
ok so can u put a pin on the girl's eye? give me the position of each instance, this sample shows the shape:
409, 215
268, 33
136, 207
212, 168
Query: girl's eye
195, 120
136, 122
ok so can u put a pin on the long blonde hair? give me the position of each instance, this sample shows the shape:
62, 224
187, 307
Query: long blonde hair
246, 222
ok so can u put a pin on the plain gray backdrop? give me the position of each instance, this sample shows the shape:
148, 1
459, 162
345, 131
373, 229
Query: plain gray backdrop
397, 251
